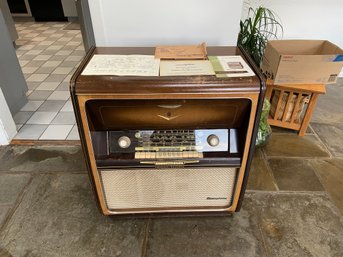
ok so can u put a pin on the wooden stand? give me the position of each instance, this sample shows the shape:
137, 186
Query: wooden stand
288, 116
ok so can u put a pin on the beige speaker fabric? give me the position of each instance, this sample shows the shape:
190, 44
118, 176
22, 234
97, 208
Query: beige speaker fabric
168, 188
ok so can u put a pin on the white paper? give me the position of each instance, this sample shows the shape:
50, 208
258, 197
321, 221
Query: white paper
122, 65
234, 66
186, 68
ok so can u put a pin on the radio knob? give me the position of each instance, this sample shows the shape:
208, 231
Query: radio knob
213, 140
124, 142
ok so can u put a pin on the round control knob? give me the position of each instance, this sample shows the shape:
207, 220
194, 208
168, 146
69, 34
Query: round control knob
213, 140
124, 142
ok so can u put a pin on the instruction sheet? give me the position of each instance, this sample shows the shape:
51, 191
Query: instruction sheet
230, 66
123, 65
186, 68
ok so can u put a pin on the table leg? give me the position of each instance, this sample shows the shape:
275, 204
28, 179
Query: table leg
308, 114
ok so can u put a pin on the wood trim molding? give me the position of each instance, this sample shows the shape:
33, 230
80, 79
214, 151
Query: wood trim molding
94, 170
242, 170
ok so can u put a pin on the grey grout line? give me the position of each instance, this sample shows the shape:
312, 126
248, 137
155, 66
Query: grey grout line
20, 198
321, 182
15, 206
70, 132
80, 172
299, 157
146, 234
269, 169
321, 141
326, 123
266, 247
287, 192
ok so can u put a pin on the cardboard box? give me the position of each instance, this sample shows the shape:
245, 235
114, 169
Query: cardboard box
302, 61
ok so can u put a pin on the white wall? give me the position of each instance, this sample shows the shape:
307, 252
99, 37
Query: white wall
7, 126
152, 22
307, 19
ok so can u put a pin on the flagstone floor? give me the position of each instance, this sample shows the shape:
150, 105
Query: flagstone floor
293, 205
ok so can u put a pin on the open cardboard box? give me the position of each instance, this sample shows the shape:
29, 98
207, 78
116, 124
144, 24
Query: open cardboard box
302, 61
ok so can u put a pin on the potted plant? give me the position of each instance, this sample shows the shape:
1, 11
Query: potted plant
261, 25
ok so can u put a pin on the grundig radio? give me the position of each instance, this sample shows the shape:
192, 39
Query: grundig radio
162, 145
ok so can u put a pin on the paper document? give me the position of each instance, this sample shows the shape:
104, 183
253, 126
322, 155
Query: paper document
122, 65
182, 52
186, 68
230, 66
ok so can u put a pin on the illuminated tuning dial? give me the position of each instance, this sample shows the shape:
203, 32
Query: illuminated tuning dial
213, 140
124, 142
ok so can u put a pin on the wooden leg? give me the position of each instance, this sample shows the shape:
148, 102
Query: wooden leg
308, 114
269, 91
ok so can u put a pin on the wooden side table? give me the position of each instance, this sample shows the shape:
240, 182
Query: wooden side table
289, 104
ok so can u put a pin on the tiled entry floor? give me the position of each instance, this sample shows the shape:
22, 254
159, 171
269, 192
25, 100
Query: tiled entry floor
48, 55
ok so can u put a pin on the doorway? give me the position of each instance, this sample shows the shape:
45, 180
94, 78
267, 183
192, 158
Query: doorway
48, 53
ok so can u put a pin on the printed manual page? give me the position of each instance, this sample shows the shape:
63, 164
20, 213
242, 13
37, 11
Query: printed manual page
230, 66
122, 65
186, 68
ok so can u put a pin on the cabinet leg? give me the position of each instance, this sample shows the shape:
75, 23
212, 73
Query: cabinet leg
308, 114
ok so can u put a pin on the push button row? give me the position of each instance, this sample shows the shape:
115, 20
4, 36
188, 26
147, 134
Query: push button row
168, 155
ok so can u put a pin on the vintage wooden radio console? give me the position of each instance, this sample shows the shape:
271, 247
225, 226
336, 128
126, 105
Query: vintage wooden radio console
167, 144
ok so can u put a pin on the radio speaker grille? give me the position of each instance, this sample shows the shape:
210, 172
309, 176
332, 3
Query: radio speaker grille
197, 188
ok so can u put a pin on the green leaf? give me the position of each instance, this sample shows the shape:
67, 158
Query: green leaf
261, 25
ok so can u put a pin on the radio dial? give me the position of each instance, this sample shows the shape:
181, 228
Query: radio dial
124, 142
213, 140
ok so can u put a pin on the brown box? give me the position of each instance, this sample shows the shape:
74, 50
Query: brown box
302, 61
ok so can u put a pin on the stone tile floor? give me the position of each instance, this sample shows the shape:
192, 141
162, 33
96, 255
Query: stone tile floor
48, 54
293, 205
